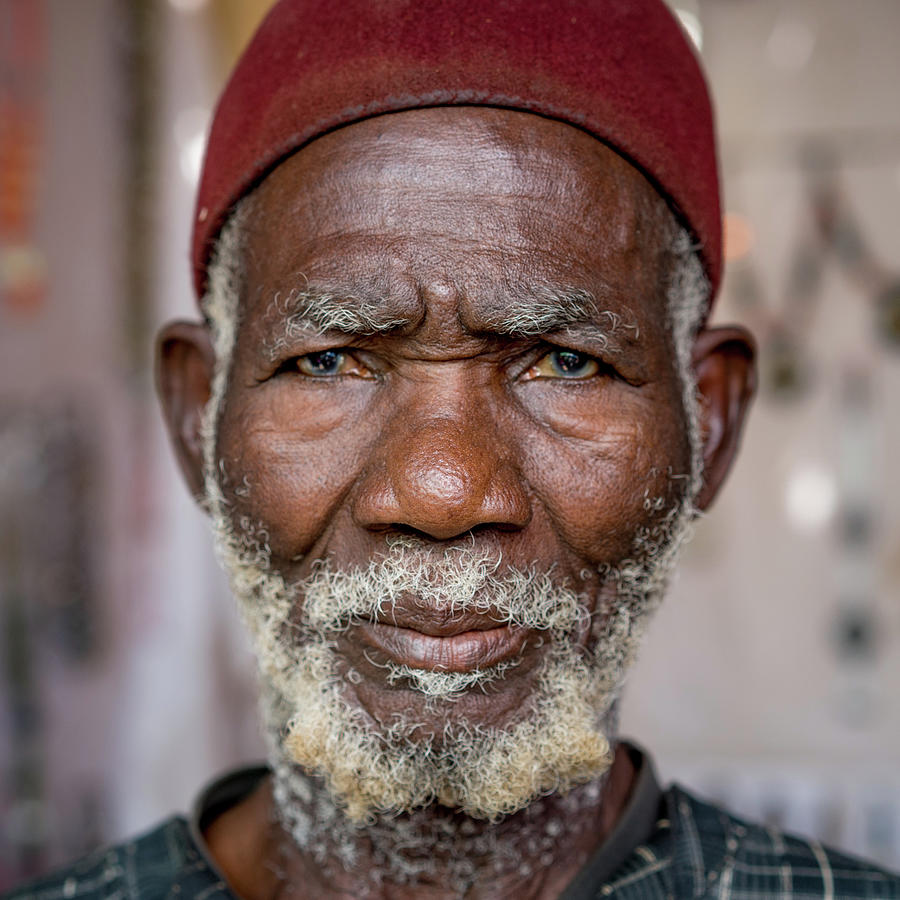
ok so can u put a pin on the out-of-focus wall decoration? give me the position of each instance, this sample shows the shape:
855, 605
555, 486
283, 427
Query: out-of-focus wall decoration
23, 74
139, 62
49, 621
75, 502
828, 231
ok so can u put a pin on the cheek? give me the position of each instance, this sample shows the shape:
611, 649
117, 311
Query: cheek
603, 485
288, 464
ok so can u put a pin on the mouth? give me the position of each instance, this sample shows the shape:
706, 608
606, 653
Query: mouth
460, 647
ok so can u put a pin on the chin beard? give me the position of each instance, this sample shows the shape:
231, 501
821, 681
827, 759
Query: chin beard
482, 772
374, 772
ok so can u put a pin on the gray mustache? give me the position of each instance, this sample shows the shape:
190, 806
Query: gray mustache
455, 582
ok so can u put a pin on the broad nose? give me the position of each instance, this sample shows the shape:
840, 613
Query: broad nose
442, 477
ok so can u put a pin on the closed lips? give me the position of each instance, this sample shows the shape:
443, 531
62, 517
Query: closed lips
460, 651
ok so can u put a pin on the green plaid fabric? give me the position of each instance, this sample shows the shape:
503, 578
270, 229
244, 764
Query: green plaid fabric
696, 851
700, 851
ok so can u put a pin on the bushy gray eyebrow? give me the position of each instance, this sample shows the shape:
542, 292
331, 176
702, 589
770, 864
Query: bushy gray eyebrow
310, 310
527, 311
317, 310
544, 309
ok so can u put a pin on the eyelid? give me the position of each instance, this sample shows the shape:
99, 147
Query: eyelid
290, 365
595, 353
611, 364
540, 360
340, 360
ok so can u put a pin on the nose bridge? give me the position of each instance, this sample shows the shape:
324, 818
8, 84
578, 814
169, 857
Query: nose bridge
443, 468
444, 462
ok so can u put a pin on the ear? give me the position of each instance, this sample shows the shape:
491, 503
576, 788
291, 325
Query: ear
724, 363
185, 362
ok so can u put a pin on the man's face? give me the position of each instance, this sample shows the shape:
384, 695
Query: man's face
453, 352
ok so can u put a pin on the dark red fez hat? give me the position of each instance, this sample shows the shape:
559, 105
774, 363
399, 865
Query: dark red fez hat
623, 70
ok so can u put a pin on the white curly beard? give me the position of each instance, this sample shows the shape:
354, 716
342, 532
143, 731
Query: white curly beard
562, 738
371, 774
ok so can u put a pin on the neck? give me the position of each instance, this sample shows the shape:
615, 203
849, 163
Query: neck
292, 841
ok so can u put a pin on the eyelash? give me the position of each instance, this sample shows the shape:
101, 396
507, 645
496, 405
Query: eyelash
292, 366
554, 356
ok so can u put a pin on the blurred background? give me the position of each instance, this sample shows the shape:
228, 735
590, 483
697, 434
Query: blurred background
770, 679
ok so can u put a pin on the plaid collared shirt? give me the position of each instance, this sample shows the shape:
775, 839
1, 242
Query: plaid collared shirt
695, 851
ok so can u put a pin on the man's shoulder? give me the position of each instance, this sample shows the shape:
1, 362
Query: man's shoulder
164, 862
739, 858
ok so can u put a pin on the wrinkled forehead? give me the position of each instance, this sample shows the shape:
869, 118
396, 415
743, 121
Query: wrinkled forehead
476, 194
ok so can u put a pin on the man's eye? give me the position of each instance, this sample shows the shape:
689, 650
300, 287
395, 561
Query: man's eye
326, 362
564, 364
330, 363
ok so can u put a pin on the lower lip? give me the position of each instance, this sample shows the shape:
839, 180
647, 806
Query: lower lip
457, 653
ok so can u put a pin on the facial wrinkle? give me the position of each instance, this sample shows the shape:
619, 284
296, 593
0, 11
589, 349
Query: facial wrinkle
319, 810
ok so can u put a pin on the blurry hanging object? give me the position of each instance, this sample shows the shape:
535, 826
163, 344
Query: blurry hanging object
841, 234
888, 315
49, 626
140, 80
830, 234
23, 62
234, 22
858, 630
786, 367
787, 363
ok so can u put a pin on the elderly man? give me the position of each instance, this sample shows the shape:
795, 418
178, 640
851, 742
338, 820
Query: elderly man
452, 409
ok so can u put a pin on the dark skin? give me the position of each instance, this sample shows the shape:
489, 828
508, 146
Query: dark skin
542, 446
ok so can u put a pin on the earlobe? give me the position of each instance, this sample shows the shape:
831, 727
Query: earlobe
185, 361
724, 363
